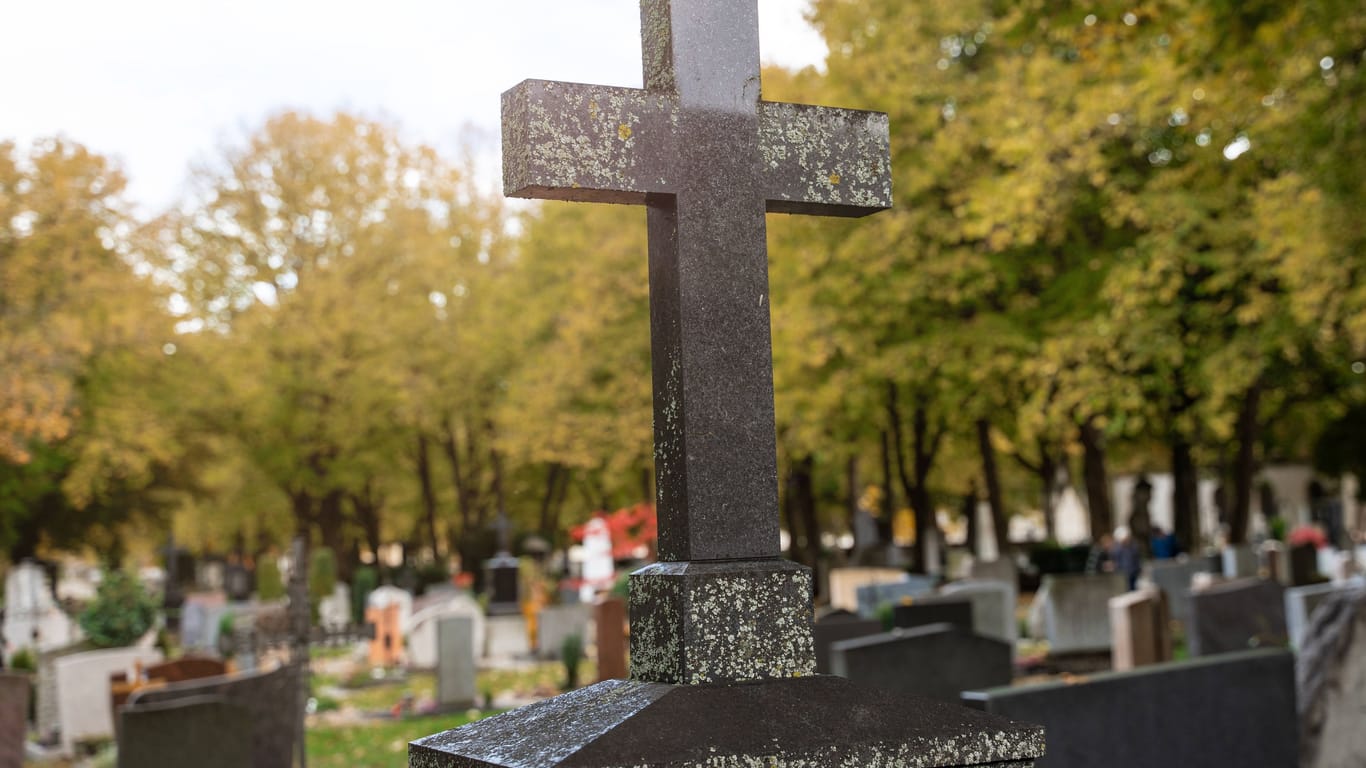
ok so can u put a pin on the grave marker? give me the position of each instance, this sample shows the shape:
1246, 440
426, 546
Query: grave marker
1076, 611
1140, 628
14, 693
936, 661
708, 158
836, 626
1237, 616
455, 667
609, 614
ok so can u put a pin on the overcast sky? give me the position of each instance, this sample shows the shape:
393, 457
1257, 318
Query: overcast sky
161, 83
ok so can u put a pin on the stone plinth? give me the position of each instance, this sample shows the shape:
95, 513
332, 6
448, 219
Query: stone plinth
937, 661
1140, 628
14, 694
811, 721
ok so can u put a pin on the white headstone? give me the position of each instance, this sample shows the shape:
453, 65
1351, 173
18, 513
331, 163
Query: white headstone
334, 611
993, 608
987, 548
423, 635
456, 671
1071, 524
32, 618
390, 595
83, 703
599, 569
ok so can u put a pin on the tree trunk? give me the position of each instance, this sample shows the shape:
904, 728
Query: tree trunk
851, 491
970, 513
332, 522
992, 475
1048, 480
1245, 463
884, 522
790, 518
919, 554
552, 483
1096, 479
367, 514
1184, 495
805, 488
424, 478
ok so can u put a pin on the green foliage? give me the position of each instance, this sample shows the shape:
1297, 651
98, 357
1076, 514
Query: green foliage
322, 574
121, 612
366, 580
24, 660
886, 615
571, 654
270, 585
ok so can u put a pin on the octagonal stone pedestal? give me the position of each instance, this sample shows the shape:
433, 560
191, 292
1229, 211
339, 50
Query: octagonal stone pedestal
797, 722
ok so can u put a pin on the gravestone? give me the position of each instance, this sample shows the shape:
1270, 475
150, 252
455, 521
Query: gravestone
993, 607
506, 637
1001, 569
836, 626
557, 622
455, 668
387, 646
845, 582
1076, 611
237, 582
271, 700
1236, 616
1272, 561
609, 616
708, 158
422, 629
1173, 577
203, 731
1304, 565
1239, 561
14, 694
84, 703
45, 711
1301, 602
871, 597
1232, 710
334, 611
1331, 679
599, 569
32, 618
201, 618
1140, 628
174, 671
504, 579
936, 661
933, 610
389, 595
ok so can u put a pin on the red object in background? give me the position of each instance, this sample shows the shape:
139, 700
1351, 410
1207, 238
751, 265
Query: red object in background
631, 527
464, 580
1308, 534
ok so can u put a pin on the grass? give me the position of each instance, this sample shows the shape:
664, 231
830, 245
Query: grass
375, 744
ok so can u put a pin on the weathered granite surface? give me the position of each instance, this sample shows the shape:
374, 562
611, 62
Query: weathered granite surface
774, 723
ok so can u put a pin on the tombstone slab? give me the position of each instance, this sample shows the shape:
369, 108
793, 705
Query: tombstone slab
871, 597
84, 704
1232, 710
1076, 611
1331, 679
993, 607
609, 614
455, 669
1237, 616
1239, 561
556, 623
840, 625
422, 634
1173, 577
203, 731
937, 661
933, 610
506, 637
1000, 569
1140, 628
14, 695
1301, 602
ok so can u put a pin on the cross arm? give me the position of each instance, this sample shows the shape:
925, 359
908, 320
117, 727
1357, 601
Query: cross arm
590, 143
825, 161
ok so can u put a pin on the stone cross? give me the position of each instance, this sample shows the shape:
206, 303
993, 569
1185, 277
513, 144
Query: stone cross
708, 158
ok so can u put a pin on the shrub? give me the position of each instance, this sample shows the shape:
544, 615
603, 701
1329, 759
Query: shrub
322, 574
269, 584
367, 579
571, 653
121, 612
23, 660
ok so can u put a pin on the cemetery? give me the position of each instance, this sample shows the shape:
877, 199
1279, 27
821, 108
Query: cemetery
980, 385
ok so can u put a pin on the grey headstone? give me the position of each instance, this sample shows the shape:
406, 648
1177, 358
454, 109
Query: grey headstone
993, 607
455, 663
839, 625
1300, 603
557, 622
933, 610
938, 661
1240, 561
873, 596
506, 637
1000, 569
1331, 677
1076, 611
270, 698
1237, 616
14, 695
1231, 710
202, 731
1173, 577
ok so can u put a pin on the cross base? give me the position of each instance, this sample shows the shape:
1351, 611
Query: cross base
810, 721
720, 622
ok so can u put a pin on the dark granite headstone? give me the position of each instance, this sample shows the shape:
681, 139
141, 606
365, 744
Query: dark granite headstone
1304, 565
270, 699
504, 578
708, 158
1237, 616
1230, 710
14, 695
238, 583
934, 610
835, 626
873, 596
938, 661
199, 731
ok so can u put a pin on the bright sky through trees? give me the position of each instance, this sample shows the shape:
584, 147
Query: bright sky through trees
159, 84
